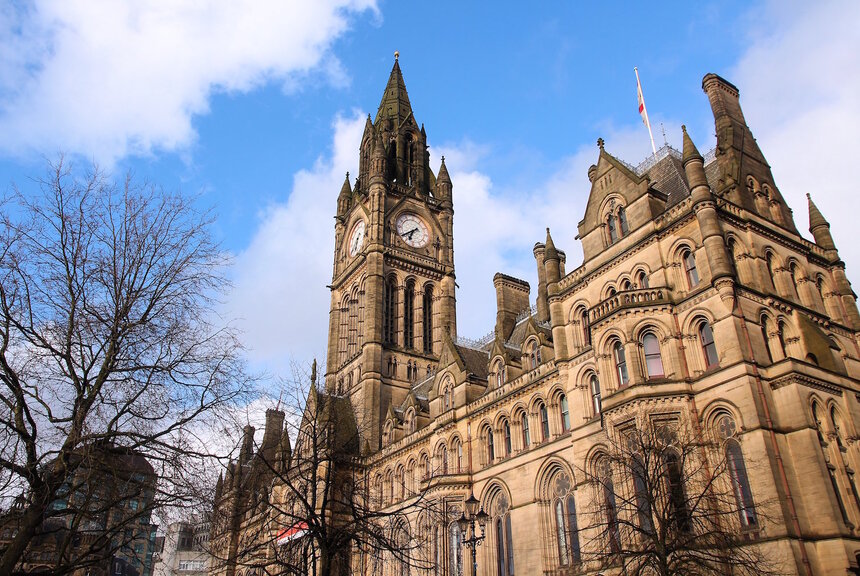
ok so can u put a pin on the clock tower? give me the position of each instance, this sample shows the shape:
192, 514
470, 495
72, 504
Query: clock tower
392, 290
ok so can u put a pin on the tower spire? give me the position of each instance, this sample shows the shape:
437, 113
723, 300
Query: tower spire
395, 103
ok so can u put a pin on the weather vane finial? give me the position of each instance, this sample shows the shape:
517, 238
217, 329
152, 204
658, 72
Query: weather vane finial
396, 54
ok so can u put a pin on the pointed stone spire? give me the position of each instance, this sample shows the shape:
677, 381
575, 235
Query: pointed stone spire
690, 151
443, 173
694, 166
219, 485
395, 101
368, 127
550, 252
346, 189
816, 219
819, 226
345, 197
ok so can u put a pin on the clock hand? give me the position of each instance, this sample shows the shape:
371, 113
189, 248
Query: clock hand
411, 233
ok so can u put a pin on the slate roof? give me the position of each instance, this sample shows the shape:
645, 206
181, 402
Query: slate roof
477, 361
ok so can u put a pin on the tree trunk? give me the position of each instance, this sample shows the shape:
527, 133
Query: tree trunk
29, 522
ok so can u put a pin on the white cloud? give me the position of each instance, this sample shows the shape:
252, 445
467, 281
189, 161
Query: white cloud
280, 281
496, 227
799, 87
107, 79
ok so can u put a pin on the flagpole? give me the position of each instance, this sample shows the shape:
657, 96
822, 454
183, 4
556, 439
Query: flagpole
645, 110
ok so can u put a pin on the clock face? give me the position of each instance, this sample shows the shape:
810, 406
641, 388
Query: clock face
356, 239
412, 230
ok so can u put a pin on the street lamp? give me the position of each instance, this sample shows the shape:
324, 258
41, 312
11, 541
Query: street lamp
467, 526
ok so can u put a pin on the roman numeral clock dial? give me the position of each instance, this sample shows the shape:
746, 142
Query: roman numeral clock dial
356, 239
412, 230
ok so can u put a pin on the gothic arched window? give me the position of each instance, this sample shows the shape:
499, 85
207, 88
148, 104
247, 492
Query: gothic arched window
544, 422
409, 315
595, 394
765, 333
620, 364
428, 320
706, 341
564, 413
491, 448
524, 422
642, 279
564, 520
499, 371
610, 226
690, 270
675, 481
503, 534
506, 431
653, 360
727, 430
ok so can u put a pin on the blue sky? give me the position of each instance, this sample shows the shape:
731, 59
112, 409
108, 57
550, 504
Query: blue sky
260, 105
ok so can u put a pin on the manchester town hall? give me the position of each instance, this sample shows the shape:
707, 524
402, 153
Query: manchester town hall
699, 310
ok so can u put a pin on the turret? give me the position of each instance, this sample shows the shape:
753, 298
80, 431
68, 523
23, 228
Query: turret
552, 263
706, 213
272, 434
247, 449
819, 227
542, 305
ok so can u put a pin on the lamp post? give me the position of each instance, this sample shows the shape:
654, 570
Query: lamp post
467, 525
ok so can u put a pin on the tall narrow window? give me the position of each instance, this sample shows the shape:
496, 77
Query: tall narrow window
586, 331
455, 542
640, 489
544, 422
428, 320
765, 334
690, 268
622, 221
738, 473
709, 349
611, 508
610, 225
506, 430
675, 481
561, 534
501, 557
564, 413
573, 527
491, 449
509, 540
780, 336
443, 459
459, 456
409, 315
525, 426
389, 311
792, 271
653, 360
642, 279
620, 364
595, 394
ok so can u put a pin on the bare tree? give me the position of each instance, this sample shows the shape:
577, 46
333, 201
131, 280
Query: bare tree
669, 501
313, 509
108, 336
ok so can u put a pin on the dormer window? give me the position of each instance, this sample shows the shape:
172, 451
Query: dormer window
533, 353
499, 372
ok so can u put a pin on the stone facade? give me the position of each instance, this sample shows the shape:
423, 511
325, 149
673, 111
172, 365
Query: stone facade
697, 300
